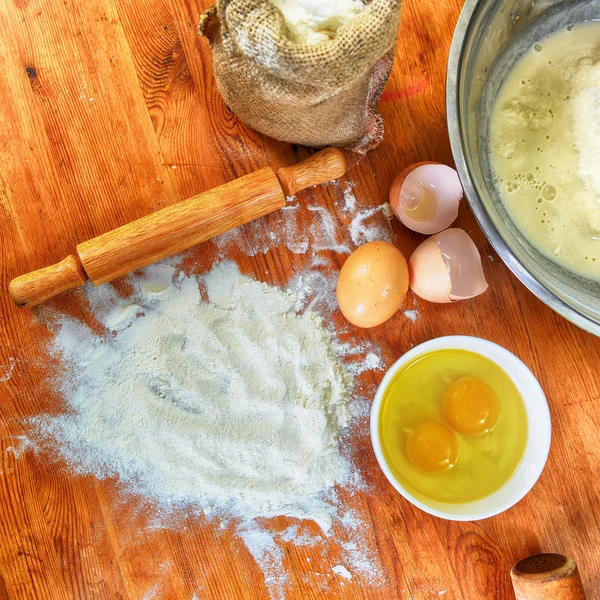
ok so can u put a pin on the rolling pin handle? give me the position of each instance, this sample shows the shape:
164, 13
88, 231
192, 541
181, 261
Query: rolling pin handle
326, 165
36, 287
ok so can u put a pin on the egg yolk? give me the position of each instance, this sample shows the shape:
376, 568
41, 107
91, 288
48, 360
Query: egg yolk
470, 406
432, 447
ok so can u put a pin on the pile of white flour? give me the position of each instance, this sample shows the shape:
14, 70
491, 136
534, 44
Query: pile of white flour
235, 403
228, 395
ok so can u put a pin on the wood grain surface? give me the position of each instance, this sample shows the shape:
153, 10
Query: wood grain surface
108, 110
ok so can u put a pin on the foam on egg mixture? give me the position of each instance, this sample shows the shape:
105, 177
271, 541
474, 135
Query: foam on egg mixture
544, 144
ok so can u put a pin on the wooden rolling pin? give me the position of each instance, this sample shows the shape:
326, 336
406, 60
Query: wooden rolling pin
547, 577
177, 228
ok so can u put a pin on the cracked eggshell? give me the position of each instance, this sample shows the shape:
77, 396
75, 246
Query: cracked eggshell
447, 267
425, 197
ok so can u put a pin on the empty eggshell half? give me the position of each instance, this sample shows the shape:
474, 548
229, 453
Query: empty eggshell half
425, 197
447, 267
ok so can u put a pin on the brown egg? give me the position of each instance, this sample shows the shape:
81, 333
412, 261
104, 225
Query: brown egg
372, 284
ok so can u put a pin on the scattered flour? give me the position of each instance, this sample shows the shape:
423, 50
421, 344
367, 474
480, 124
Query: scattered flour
371, 362
319, 261
269, 557
349, 197
342, 571
20, 445
166, 402
6, 371
268, 549
317, 289
325, 242
151, 594
288, 227
232, 404
163, 401
354, 549
292, 534
361, 232
313, 229
411, 315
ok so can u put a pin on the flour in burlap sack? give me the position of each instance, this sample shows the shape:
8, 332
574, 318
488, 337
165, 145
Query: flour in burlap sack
316, 95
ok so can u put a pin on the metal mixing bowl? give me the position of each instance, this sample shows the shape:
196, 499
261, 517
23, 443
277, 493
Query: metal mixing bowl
490, 36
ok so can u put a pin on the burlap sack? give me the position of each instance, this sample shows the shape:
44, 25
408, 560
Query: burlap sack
315, 95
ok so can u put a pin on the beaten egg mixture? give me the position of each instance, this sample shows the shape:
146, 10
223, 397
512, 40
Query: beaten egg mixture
544, 145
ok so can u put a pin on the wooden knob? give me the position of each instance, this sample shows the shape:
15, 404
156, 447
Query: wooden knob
547, 577
326, 165
37, 286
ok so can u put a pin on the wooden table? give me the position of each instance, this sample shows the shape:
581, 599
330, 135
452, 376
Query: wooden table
109, 111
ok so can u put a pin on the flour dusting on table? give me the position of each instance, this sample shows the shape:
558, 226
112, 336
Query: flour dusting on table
306, 227
269, 556
229, 395
342, 572
411, 315
365, 228
6, 370
223, 394
235, 403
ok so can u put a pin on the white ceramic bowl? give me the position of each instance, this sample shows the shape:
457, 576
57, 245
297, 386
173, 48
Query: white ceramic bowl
538, 440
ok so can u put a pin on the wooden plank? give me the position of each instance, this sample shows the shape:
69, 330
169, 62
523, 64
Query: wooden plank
75, 107
70, 107
203, 143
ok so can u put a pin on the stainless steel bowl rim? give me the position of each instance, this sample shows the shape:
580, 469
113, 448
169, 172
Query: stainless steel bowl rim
477, 206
